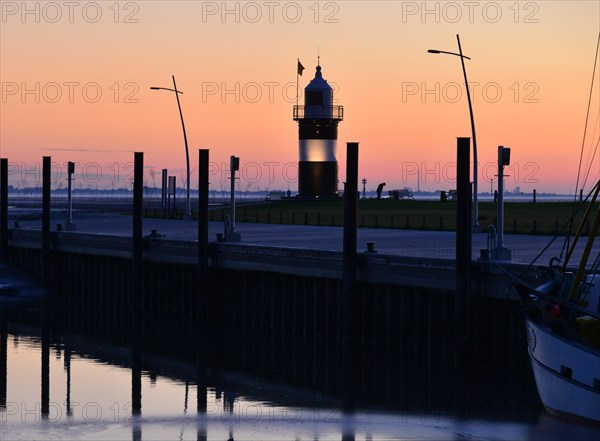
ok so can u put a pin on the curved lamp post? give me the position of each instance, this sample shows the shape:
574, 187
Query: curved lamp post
188, 213
462, 60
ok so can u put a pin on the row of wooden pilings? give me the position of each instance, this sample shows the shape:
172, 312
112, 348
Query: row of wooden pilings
339, 313
136, 310
283, 327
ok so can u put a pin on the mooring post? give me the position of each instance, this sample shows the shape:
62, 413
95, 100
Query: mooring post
138, 182
3, 210
203, 215
46, 162
203, 287
349, 272
137, 284
463, 247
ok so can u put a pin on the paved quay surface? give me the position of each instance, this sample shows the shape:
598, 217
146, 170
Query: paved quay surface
409, 243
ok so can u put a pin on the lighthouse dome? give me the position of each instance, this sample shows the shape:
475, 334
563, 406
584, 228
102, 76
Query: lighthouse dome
318, 95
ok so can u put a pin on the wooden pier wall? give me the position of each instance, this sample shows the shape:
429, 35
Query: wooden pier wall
257, 295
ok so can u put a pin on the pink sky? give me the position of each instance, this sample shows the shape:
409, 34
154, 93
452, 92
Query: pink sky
235, 62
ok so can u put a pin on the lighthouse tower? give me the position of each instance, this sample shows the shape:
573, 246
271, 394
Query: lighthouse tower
318, 121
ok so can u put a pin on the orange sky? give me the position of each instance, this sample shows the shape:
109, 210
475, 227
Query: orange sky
531, 68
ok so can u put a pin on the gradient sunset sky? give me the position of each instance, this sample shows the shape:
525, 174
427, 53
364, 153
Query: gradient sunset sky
76, 81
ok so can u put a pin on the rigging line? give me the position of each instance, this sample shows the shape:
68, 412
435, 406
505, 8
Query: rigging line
589, 161
566, 243
589, 169
587, 115
558, 233
596, 263
584, 134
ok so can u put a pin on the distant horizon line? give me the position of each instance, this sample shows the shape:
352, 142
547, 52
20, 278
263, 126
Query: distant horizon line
61, 190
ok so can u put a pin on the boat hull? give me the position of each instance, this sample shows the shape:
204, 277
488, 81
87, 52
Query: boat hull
567, 374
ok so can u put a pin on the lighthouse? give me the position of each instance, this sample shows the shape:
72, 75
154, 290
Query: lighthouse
318, 121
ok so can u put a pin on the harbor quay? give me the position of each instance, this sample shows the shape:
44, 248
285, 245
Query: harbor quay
526, 249
283, 278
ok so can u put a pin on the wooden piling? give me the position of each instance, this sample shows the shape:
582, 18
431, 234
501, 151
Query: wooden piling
203, 283
45, 263
136, 318
3, 210
349, 273
463, 247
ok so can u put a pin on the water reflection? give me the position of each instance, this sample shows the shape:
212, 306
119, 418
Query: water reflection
97, 390
3, 357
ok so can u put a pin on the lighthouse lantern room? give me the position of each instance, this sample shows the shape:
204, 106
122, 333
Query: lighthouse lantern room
318, 121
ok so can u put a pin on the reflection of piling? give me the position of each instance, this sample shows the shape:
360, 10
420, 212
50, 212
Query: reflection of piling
3, 360
67, 365
136, 288
45, 389
136, 431
46, 220
202, 277
349, 272
463, 246
136, 380
3, 210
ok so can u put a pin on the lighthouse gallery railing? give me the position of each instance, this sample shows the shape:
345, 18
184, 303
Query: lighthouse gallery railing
319, 112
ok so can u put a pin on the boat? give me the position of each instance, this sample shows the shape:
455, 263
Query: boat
563, 332
562, 315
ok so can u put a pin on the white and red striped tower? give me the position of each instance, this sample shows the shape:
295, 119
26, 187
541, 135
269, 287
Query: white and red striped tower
318, 121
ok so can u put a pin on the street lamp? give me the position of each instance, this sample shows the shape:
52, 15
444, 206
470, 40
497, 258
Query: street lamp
188, 214
462, 60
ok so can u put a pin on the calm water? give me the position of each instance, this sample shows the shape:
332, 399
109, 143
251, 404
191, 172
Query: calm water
90, 398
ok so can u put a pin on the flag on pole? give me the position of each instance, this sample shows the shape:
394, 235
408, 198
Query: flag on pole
300, 68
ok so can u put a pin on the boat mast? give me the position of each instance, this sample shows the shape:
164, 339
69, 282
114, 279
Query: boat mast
581, 226
586, 255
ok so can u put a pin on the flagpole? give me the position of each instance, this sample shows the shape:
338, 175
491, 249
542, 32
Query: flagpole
297, 81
